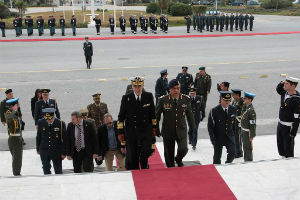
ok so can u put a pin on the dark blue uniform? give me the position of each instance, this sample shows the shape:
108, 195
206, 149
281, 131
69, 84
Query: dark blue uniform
196, 109
40, 105
50, 144
185, 82
161, 87
221, 131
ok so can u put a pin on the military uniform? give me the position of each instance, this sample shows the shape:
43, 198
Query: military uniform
217, 17
4, 107
96, 112
241, 22
97, 24
236, 22
15, 23
138, 135
231, 19
221, 130
195, 21
88, 53
14, 127
73, 25
112, 25
186, 81
29, 24
51, 25
248, 130
161, 86
203, 85
50, 142
165, 24
251, 19
2, 27
289, 113
174, 127
246, 18
62, 23
188, 23
227, 22
122, 21
222, 22
40, 25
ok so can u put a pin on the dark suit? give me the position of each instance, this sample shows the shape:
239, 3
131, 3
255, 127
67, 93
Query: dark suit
221, 131
40, 105
88, 53
50, 142
161, 87
196, 103
85, 155
139, 118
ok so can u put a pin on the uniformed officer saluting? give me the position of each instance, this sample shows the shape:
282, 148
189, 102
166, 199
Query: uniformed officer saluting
14, 127
46, 102
50, 141
220, 126
97, 24
248, 126
185, 79
137, 111
289, 114
176, 108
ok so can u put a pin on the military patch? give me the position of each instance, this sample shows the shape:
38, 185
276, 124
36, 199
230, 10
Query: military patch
44, 128
184, 105
167, 106
56, 136
56, 129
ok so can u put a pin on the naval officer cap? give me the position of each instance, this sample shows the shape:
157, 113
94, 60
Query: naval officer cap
249, 95
12, 102
184, 67
236, 91
97, 95
48, 113
193, 90
45, 91
137, 80
226, 95
173, 83
292, 80
164, 71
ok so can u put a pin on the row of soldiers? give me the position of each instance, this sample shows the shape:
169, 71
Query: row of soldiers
221, 22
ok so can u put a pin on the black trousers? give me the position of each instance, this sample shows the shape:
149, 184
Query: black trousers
112, 28
226, 27
98, 28
188, 28
169, 149
82, 158
46, 158
231, 27
246, 26
218, 147
285, 143
88, 60
251, 26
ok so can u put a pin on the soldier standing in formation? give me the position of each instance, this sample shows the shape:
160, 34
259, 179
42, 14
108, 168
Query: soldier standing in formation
145, 23
88, 52
232, 17
246, 18
251, 19
62, 24
195, 21
40, 25
14, 127
238, 103
188, 23
97, 24
122, 21
203, 85
29, 25
236, 21
137, 114
51, 25
227, 21
111, 24
154, 23
131, 23
161, 86
97, 110
16, 26
289, 116
217, 17
186, 80
176, 109
73, 24
221, 128
241, 21
248, 126
165, 22
50, 141
196, 109
2, 27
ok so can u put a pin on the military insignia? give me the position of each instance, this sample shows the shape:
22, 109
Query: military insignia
167, 106
285, 104
146, 105
44, 128
184, 105
56, 136
56, 129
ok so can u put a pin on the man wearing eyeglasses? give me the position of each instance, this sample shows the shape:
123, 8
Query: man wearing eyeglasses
109, 145
137, 126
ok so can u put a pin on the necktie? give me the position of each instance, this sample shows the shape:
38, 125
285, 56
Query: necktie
175, 102
226, 112
78, 140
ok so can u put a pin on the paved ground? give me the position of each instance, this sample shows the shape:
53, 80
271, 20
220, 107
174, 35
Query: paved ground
60, 66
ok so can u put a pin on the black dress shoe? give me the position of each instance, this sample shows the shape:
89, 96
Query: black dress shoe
179, 162
194, 148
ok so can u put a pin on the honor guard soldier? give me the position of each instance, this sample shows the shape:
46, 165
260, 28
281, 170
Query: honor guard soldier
122, 21
2, 27
88, 52
131, 23
137, 126
97, 24
40, 25
289, 113
165, 24
135, 24
14, 127
201, 21
196, 109
227, 22
46, 102
188, 23
238, 103
222, 22
29, 25
217, 17
141, 22
51, 25
251, 19
186, 80
145, 24
15, 23
221, 128
231, 22
20, 26
161, 22
161, 86
155, 24
195, 21
241, 21
151, 22
97, 110
111, 24
176, 109
246, 18
62, 24
248, 126
50, 141
73, 24
203, 85
236, 21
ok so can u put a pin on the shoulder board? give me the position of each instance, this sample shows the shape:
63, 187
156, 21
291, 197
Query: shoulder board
185, 96
162, 96
8, 112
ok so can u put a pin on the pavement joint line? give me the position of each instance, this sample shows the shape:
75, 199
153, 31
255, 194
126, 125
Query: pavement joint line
151, 66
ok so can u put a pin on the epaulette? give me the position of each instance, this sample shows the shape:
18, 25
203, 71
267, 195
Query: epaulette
162, 96
186, 96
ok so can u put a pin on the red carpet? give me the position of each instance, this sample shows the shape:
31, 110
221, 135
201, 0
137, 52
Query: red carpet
155, 161
180, 183
147, 37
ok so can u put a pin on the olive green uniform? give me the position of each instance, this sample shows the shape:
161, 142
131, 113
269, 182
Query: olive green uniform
174, 127
203, 85
248, 130
15, 142
97, 112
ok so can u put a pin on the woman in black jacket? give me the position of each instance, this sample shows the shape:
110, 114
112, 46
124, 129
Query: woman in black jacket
37, 97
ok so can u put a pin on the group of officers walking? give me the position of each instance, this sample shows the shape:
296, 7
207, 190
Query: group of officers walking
94, 134
211, 22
